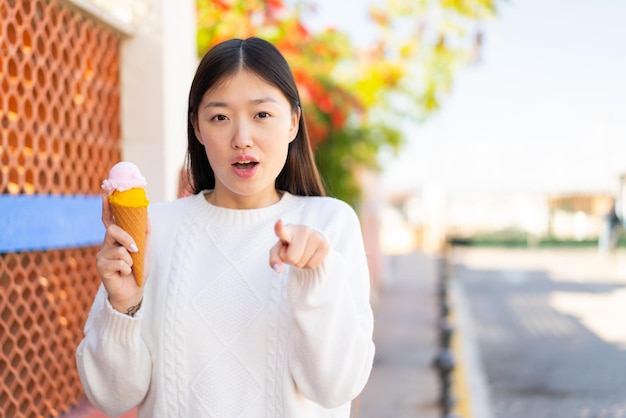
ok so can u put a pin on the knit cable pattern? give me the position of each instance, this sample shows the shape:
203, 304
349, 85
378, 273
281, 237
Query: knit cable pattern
174, 348
226, 387
277, 346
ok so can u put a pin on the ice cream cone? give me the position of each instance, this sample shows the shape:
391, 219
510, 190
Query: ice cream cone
133, 220
129, 205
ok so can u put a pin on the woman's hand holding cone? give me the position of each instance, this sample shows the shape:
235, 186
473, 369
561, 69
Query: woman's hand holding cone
114, 263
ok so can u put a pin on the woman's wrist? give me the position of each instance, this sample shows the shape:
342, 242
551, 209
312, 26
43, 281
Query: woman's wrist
128, 307
132, 310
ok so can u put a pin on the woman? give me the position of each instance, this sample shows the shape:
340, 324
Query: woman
256, 302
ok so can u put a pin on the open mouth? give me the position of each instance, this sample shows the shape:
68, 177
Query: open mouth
245, 165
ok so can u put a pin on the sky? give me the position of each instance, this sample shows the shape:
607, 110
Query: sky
543, 111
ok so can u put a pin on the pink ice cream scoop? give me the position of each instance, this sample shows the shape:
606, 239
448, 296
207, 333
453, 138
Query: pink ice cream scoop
123, 176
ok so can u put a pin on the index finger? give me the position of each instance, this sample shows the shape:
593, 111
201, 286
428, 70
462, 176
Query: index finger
107, 215
116, 236
281, 232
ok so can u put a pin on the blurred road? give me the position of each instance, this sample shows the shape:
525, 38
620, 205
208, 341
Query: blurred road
550, 327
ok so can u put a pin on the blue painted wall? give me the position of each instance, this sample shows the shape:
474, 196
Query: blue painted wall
44, 222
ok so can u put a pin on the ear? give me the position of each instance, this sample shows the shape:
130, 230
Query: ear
295, 124
193, 119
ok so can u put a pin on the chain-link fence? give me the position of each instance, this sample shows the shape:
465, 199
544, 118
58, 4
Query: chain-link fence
59, 135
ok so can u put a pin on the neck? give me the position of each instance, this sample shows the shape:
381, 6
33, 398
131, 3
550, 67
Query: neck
242, 202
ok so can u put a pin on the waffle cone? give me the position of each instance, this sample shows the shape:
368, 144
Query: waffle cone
134, 220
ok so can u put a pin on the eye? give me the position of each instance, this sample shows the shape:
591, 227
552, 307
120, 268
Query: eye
263, 115
219, 117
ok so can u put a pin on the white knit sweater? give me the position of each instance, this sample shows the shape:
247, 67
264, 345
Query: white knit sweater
221, 335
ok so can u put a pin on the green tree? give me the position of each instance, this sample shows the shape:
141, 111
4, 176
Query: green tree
356, 99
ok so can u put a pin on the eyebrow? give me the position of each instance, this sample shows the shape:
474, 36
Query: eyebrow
253, 101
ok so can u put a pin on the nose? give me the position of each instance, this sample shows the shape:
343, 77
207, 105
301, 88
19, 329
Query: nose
242, 137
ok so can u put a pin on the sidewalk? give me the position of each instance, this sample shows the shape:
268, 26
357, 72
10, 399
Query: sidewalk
86, 410
403, 383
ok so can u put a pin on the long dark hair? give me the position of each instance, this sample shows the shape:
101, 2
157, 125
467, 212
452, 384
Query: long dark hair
299, 176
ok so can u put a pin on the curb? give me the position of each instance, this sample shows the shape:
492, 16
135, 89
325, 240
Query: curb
463, 387
471, 389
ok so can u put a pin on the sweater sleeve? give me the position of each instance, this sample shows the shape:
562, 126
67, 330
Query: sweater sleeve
113, 362
332, 351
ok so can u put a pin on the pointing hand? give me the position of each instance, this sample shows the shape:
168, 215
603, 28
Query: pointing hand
299, 246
